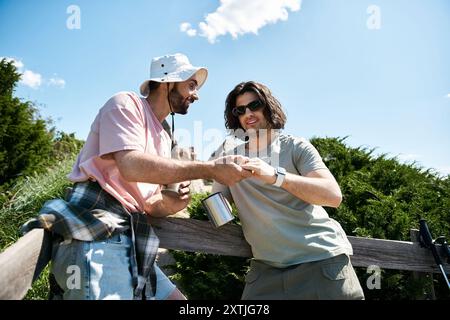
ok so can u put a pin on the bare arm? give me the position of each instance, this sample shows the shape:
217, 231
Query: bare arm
317, 187
141, 167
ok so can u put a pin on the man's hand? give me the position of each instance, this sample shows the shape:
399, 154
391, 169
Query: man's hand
165, 204
261, 170
227, 170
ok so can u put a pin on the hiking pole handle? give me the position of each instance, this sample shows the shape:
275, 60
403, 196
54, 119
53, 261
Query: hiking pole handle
444, 247
428, 240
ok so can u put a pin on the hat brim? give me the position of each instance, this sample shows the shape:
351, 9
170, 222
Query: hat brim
180, 76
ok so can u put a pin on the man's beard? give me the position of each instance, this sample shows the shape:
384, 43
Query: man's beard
178, 102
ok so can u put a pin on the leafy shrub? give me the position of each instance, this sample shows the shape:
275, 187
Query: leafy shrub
382, 198
25, 142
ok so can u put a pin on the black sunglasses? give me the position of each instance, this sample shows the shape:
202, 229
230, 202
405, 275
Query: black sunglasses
253, 106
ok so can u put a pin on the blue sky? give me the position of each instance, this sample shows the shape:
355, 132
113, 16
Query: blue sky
338, 67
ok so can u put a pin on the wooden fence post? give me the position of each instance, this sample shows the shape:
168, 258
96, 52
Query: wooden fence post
425, 277
22, 263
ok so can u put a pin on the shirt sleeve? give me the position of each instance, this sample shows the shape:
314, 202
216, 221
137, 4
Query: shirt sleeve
121, 126
307, 158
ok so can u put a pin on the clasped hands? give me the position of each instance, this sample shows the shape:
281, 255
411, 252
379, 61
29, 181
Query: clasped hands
253, 167
227, 170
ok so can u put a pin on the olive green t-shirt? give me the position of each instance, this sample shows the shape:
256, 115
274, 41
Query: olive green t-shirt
281, 229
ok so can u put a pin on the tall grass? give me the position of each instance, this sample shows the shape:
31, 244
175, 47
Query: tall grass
23, 201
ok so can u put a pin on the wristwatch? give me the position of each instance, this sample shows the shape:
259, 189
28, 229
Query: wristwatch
280, 173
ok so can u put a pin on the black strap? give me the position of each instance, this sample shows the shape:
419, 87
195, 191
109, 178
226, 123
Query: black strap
172, 114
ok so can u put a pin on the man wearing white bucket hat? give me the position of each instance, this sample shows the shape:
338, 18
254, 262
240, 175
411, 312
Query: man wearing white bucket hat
102, 235
173, 68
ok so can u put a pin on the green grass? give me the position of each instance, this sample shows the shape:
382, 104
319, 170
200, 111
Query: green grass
23, 201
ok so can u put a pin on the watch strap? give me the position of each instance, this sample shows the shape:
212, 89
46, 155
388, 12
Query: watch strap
280, 174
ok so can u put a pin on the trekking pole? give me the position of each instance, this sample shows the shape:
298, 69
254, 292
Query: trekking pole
444, 246
428, 242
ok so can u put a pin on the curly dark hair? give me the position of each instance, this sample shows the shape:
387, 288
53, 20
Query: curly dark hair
273, 112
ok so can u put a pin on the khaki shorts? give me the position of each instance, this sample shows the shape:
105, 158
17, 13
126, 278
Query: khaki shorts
330, 279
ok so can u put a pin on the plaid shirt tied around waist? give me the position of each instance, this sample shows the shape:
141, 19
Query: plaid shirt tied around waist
89, 213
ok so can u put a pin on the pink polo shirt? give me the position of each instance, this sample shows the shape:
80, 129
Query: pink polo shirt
125, 122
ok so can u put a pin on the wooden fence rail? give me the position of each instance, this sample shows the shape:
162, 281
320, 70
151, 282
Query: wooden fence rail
21, 263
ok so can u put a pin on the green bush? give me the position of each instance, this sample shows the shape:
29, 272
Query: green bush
207, 276
382, 198
65, 145
25, 142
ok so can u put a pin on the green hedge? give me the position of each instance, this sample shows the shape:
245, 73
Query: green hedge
382, 198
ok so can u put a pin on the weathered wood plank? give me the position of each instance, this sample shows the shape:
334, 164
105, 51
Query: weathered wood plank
201, 236
390, 254
22, 263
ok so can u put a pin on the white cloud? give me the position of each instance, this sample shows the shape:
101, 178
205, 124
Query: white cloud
187, 28
448, 95
191, 32
33, 79
57, 82
17, 63
238, 17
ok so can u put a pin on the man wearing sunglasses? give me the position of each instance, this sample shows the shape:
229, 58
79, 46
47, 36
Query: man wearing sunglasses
299, 252
105, 248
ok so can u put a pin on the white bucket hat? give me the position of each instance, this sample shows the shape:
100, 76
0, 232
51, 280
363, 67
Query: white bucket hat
173, 68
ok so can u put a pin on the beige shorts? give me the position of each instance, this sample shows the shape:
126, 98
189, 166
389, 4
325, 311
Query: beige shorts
330, 279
